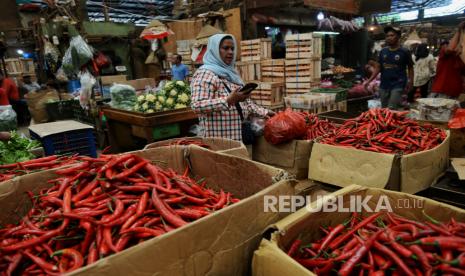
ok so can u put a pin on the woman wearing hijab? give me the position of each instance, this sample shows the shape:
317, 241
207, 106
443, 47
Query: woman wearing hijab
215, 91
424, 68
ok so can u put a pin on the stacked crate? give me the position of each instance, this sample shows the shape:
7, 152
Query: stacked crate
303, 62
252, 53
269, 95
17, 68
272, 70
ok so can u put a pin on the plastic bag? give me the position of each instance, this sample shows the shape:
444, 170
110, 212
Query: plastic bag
458, 121
87, 83
60, 75
257, 125
285, 126
123, 97
7, 118
78, 54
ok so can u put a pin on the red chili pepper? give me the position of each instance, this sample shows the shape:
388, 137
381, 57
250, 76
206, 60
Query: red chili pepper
41, 262
132, 170
348, 266
221, 202
426, 267
294, 247
151, 231
70, 170
74, 255
338, 229
165, 212
338, 241
386, 251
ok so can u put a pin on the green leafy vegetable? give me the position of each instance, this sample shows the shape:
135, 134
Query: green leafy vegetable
16, 149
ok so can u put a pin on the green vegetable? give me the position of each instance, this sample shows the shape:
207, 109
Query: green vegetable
17, 149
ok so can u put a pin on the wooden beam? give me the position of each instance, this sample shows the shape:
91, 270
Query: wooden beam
342, 6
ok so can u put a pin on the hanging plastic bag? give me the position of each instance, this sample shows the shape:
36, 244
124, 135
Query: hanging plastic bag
285, 126
8, 120
78, 54
87, 83
123, 97
458, 121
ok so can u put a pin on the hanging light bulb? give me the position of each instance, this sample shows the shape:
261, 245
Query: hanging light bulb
320, 16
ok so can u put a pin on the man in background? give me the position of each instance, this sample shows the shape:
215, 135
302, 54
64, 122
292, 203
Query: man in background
179, 71
393, 63
10, 90
29, 86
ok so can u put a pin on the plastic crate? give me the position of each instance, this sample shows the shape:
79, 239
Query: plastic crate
61, 110
78, 141
80, 114
341, 93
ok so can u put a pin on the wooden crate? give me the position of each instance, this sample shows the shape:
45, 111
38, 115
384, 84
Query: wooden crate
27, 66
303, 70
256, 49
249, 70
13, 66
273, 70
300, 87
269, 94
307, 45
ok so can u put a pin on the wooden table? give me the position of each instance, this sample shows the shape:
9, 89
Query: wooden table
127, 128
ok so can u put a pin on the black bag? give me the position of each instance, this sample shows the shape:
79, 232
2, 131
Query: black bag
248, 136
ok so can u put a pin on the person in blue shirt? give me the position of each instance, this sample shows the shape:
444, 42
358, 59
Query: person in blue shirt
393, 63
179, 70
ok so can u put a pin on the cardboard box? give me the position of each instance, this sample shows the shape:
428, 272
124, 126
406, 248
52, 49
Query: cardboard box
410, 173
457, 137
292, 157
220, 145
271, 260
140, 84
218, 244
109, 80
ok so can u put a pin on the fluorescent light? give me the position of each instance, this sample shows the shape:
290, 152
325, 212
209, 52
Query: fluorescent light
20, 52
267, 28
320, 16
326, 33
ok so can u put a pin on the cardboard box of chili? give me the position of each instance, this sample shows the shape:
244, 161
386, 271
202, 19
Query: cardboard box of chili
221, 243
409, 173
221, 145
292, 156
271, 259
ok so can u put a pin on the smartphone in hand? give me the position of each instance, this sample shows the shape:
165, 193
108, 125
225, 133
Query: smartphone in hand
248, 88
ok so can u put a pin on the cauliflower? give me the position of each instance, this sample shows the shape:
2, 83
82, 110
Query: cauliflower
158, 106
150, 98
183, 98
170, 102
161, 99
150, 111
181, 83
145, 106
141, 98
169, 85
136, 107
178, 106
162, 92
173, 92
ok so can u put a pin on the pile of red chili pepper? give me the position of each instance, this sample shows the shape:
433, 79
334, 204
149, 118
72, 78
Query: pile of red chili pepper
35, 165
317, 127
187, 142
386, 131
100, 207
385, 244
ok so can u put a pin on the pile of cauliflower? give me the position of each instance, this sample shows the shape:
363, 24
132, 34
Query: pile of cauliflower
174, 95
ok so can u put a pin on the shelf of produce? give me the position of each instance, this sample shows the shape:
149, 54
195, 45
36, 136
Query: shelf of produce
125, 125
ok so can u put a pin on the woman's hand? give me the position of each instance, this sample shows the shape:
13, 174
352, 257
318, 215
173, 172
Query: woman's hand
236, 97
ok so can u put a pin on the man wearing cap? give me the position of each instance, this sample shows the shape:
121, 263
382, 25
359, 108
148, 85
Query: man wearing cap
393, 63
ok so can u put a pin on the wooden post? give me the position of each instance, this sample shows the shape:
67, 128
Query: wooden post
105, 11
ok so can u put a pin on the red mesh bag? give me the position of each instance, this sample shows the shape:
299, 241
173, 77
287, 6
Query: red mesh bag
458, 121
285, 126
